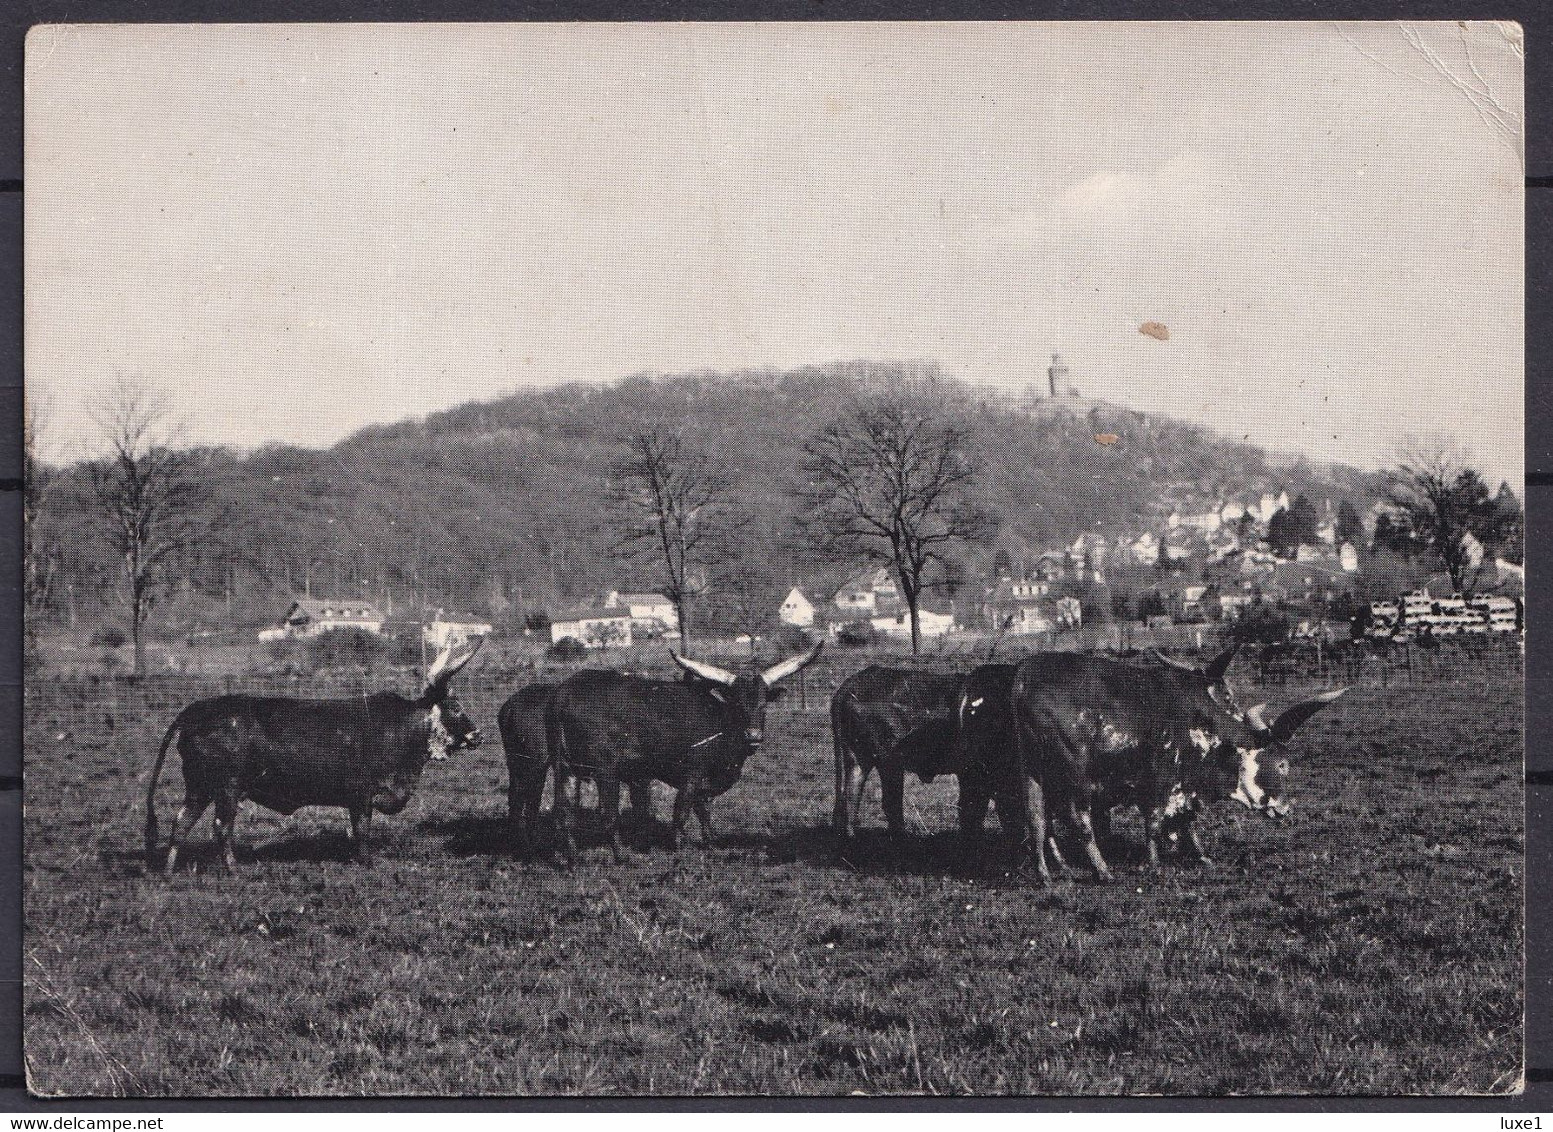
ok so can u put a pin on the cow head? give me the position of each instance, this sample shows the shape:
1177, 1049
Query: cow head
1249, 755
451, 729
747, 692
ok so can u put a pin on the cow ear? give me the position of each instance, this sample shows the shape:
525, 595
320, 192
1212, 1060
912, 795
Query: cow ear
775, 693
1289, 722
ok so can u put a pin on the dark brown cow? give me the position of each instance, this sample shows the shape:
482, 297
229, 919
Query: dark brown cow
361, 754
895, 720
521, 721
694, 735
1094, 732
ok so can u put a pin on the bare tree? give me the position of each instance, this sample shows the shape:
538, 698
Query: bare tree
144, 487
887, 482
679, 511
37, 565
1443, 501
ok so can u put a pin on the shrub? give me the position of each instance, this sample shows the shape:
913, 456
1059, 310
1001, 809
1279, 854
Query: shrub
857, 634
568, 649
1261, 623
111, 637
339, 648
791, 639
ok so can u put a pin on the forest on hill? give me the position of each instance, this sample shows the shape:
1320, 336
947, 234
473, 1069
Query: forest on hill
504, 508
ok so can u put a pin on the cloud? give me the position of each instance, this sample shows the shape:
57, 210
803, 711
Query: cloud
1189, 194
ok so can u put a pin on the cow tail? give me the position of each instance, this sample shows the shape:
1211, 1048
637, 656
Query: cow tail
156, 776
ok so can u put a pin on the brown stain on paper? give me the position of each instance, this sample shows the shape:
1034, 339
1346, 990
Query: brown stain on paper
1156, 330
1106, 438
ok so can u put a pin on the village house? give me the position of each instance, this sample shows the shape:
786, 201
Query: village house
595, 628
1145, 549
309, 617
1018, 607
451, 630
652, 614
797, 610
873, 592
930, 623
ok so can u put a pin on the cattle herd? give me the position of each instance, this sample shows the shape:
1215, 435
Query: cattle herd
1056, 741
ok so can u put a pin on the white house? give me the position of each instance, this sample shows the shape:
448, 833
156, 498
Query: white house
449, 631
929, 623
864, 595
650, 613
1348, 558
796, 609
1145, 549
309, 616
595, 628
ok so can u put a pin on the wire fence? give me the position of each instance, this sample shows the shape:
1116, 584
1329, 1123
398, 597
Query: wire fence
108, 700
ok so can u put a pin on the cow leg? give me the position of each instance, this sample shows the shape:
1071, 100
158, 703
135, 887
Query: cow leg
840, 821
517, 809
226, 822
974, 799
857, 778
704, 816
522, 805
1185, 828
361, 832
641, 806
1101, 817
1078, 814
892, 783
1013, 819
609, 809
564, 813
1153, 833
1036, 808
682, 805
189, 813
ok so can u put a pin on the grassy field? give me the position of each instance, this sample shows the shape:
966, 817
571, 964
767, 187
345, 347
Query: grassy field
1372, 945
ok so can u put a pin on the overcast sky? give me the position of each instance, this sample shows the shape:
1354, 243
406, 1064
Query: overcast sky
301, 230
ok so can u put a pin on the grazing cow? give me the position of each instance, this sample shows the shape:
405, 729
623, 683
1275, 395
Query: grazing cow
361, 754
693, 734
895, 720
1094, 731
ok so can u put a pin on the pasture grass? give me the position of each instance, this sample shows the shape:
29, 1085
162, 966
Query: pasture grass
1372, 945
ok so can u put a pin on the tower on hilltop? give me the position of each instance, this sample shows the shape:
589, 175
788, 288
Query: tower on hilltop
1057, 376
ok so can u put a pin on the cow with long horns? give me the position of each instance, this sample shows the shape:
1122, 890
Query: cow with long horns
694, 735
363, 754
1093, 733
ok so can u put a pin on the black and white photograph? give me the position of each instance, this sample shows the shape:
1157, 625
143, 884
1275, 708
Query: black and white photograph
774, 560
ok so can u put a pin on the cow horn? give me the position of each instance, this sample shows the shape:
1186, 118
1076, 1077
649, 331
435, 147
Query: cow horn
1172, 662
444, 668
1289, 722
1219, 665
784, 669
439, 664
1255, 717
705, 671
